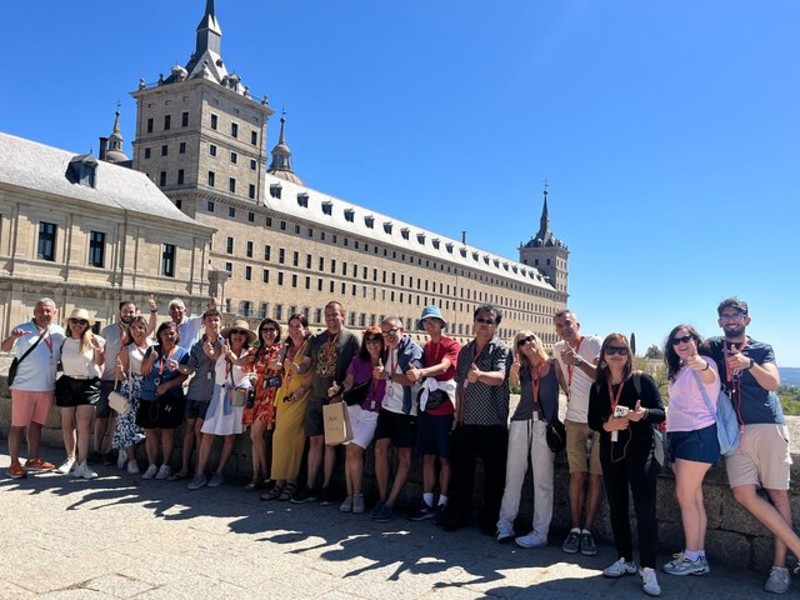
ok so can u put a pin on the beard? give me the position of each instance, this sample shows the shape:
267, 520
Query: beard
126, 320
734, 331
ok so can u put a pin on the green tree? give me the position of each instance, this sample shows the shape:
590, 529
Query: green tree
633, 343
654, 352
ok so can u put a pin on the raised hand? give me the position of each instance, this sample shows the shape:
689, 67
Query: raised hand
637, 414
473, 374
413, 374
378, 371
334, 390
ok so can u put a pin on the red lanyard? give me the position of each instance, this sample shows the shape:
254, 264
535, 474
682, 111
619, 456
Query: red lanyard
614, 398
392, 365
46, 338
165, 360
534, 384
727, 351
571, 367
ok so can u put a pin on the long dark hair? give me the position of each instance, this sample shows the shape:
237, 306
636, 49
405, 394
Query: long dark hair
602, 369
671, 358
303, 321
373, 331
277, 327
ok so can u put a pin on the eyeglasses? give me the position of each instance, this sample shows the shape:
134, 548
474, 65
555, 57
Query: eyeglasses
238, 332
612, 350
525, 340
391, 332
268, 330
485, 321
78, 322
684, 339
734, 318
374, 340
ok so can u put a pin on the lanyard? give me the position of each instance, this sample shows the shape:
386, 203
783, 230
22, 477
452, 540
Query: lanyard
614, 398
535, 379
727, 350
165, 360
393, 365
571, 367
45, 337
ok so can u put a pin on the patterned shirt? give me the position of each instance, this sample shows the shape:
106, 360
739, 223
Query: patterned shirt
483, 404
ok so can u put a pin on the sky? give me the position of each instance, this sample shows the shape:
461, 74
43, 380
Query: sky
668, 132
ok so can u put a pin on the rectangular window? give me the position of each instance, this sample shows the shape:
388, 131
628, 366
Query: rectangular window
253, 165
319, 284
210, 206
321, 263
147, 152
251, 217
317, 315
268, 222
164, 150
168, 260
184, 119
214, 121
308, 283
150, 125
280, 278
162, 179
235, 130
265, 276
267, 252
234, 158
229, 245
295, 259
167, 122
212, 178
231, 212
281, 256
180, 176
251, 191
97, 248
212, 150
248, 273
294, 280
254, 138
279, 312
182, 148
229, 267
308, 261
249, 249
232, 185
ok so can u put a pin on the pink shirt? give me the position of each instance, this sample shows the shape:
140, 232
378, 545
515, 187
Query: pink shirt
687, 410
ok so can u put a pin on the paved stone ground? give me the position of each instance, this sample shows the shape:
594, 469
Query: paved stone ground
121, 537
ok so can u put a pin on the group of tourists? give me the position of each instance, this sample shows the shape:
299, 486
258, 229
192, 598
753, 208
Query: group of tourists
449, 404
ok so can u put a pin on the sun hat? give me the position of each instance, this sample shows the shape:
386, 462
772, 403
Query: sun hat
80, 314
430, 312
239, 324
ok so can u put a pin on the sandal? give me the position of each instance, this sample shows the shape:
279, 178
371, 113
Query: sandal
274, 494
288, 491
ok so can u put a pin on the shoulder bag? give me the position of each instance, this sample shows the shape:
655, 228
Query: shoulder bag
728, 429
12, 370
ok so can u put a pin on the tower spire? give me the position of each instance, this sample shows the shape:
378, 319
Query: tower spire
281, 165
544, 220
209, 34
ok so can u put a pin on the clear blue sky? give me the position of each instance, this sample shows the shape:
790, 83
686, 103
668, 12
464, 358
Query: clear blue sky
668, 131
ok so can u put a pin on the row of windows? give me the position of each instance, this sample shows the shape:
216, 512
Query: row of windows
46, 248
233, 156
214, 122
168, 122
212, 182
165, 150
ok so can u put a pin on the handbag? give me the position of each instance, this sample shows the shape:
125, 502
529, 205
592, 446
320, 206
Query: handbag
12, 370
728, 429
435, 398
556, 436
239, 396
119, 403
338, 429
357, 394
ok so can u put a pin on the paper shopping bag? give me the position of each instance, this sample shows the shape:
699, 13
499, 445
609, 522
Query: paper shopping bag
337, 424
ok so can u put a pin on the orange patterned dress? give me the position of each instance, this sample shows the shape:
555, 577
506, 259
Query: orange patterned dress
268, 381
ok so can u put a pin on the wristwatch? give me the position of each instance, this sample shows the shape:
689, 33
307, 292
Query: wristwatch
750, 366
577, 361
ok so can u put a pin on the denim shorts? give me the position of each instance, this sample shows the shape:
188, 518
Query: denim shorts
700, 445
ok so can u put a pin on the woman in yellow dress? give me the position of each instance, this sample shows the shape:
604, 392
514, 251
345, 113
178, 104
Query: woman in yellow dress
289, 437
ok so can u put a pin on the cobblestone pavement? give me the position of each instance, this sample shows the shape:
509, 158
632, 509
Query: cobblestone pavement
121, 537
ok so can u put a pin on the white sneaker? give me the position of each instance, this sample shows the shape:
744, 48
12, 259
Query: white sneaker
150, 473
77, 470
504, 531
533, 540
650, 582
86, 471
122, 458
133, 468
620, 568
164, 472
67, 465
778, 581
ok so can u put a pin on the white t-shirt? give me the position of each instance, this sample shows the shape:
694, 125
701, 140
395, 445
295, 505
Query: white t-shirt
37, 373
77, 364
189, 331
223, 370
393, 396
580, 383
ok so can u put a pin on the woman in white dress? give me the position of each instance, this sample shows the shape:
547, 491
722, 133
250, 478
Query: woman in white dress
232, 386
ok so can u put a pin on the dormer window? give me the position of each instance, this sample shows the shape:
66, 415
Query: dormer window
449, 248
387, 227
474, 256
369, 221
486, 259
302, 200
83, 170
496, 262
349, 215
435, 242
404, 232
421, 238
275, 190
327, 208
464, 252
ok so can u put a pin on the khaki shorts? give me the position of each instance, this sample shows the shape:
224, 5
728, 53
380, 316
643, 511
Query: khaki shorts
762, 458
580, 461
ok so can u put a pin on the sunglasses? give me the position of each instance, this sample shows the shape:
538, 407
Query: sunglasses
612, 350
268, 330
78, 322
485, 321
390, 332
525, 340
374, 340
684, 339
238, 332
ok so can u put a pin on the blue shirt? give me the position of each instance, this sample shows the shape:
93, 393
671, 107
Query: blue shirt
148, 393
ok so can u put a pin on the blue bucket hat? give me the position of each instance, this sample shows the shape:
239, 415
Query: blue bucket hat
430, 312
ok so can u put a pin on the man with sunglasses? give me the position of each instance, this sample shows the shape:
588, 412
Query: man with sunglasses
32, 393
482, 398
397, 419
750, 376
577, 357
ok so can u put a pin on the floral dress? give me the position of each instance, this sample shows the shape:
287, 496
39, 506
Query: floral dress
267, 383
127, 432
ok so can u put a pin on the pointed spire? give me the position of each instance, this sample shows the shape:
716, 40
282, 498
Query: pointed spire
281, 165
544, 220
117, 129
115, 142
282, 136
209, 34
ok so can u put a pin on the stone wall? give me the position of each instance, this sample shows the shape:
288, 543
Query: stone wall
734, 537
